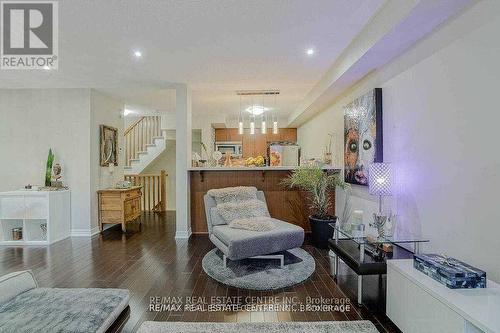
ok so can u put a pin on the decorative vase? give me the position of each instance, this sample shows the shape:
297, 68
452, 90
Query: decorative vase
379, 223
321, 231
390, 226
48, 170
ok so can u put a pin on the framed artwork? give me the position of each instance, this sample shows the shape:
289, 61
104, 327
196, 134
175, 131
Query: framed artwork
109, 145
363, 143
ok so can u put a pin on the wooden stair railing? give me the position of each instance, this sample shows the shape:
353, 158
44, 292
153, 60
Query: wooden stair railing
154, 190
140, 134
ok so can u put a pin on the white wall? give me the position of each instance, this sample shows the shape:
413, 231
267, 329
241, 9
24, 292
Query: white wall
66, 120
31, 122
440, 114
104, 110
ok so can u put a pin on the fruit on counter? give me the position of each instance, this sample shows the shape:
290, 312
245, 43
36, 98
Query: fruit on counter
255, 161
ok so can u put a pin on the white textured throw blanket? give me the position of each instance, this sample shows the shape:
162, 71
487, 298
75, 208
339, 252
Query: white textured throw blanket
241, 209
233, 194
262, 223
245, 209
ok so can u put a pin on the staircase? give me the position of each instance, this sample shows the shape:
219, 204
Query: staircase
145, 140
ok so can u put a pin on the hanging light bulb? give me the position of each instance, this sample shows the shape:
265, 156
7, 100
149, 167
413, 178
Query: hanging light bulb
240, 128
263, 127
275, 122
240, 121
252, 120
252, 126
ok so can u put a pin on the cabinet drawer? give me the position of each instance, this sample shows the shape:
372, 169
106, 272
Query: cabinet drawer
111, 216
111, 202
131, 194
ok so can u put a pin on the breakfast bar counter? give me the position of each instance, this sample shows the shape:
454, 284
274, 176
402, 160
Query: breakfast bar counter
286, 204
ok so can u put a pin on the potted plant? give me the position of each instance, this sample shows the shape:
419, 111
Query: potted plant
318, 184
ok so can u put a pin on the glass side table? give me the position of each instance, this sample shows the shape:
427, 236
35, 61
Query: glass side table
356, 260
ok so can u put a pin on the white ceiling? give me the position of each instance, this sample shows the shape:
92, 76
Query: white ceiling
215, 46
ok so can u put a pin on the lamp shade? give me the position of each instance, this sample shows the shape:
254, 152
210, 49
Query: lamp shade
379, 179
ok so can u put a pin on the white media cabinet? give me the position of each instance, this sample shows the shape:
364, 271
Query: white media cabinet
31, 209
418, 304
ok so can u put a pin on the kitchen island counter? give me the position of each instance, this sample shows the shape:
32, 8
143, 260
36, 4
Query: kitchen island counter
256, 168
284, 203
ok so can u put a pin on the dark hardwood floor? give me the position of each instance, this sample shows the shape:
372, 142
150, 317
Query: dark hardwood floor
149, 262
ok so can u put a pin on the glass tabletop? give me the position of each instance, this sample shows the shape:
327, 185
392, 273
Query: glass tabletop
344, 233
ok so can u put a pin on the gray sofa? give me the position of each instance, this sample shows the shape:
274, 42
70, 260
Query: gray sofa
237, 244
24, 307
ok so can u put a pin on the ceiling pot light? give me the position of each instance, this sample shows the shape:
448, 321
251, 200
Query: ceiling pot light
310, 52
138, 54
126, 112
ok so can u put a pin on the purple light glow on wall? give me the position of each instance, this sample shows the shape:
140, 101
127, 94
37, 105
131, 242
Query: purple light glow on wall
379, 179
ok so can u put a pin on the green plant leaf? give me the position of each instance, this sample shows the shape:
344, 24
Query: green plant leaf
318, 184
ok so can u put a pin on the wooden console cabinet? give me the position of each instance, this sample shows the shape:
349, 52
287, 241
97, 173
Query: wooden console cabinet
418, 304
119, 206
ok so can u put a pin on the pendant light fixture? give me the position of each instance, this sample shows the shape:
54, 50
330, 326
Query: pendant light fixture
275, 116
240, 121
258, 111
263, 127
252, 120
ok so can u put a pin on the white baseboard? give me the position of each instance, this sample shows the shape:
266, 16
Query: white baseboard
84, 232
183, 234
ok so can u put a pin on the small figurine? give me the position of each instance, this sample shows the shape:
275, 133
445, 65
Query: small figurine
56, 179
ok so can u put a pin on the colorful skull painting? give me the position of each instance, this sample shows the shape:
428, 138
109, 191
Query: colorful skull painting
362, 136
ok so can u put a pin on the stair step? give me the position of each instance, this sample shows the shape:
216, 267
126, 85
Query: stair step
150, 145
158, 137
134, 160
142, 152
127, 167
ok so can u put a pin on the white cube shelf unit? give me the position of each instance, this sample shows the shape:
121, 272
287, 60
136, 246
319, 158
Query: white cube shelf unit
31, 210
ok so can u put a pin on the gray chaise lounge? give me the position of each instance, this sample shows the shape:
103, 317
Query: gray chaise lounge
237, 244
24, 307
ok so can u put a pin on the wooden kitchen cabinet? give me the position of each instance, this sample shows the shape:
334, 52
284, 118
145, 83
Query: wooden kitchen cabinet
256, 144
227, 135
221, 135
260, 148
248, 145
288, 134
233, 135
270, 137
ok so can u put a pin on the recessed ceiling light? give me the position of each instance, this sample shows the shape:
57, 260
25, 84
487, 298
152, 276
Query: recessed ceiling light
310, 52
126, 112
138, 54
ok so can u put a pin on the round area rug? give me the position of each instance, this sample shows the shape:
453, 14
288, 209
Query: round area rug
259, 274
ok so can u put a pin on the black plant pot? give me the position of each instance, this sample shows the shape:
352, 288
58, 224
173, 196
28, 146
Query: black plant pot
321, 231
